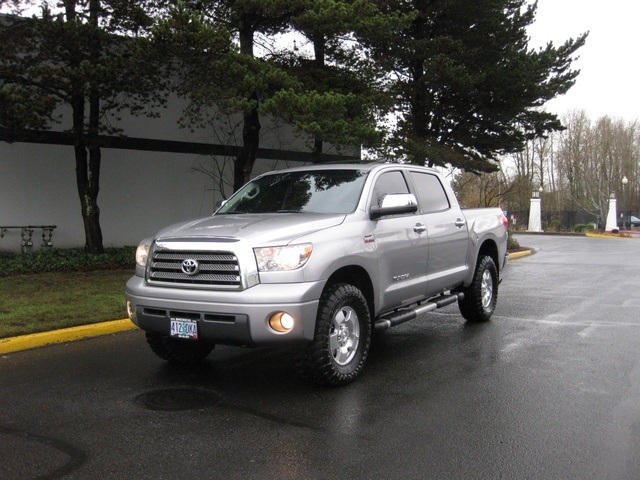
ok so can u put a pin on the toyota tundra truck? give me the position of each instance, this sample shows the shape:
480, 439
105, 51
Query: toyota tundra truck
320, 256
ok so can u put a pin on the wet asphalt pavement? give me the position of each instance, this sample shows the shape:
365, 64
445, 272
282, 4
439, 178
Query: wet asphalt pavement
549, 389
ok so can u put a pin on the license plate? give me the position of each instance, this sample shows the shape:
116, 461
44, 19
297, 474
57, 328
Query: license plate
184, 328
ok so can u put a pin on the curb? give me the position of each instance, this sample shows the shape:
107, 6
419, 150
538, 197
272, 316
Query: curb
524, 253
604, 235
73, 334
35, 340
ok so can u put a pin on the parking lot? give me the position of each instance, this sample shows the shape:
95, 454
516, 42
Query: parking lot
550, 388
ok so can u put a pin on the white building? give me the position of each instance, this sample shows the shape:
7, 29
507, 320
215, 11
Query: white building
149, 179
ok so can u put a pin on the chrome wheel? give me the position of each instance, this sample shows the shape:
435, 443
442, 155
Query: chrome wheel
344, 335
486, 288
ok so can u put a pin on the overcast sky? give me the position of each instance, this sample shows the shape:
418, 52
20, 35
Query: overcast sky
609, 82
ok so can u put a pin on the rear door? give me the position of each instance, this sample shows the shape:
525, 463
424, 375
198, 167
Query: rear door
447, 233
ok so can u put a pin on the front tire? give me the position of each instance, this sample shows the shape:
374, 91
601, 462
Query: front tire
342, 337
183, 352
481, 296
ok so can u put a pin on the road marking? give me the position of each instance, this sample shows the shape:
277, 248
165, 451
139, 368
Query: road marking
564, 323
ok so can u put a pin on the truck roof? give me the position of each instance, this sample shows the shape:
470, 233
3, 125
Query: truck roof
361, 166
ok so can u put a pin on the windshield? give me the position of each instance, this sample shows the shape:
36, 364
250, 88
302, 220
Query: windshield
321, 191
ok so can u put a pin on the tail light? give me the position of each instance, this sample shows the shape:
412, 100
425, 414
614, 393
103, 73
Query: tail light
505, 221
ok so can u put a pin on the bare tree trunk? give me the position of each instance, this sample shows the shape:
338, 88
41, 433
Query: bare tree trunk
251, 128
319, 45
87, 148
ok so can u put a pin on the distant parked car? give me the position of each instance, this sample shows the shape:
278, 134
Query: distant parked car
630, 221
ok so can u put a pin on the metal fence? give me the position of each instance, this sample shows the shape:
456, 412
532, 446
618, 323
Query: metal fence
566, 221
556, 221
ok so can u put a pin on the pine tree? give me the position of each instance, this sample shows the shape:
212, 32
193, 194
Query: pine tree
248, 78
339, 100
88, 58
467, 85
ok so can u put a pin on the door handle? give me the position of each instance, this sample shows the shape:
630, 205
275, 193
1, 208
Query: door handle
460, 223
420, 228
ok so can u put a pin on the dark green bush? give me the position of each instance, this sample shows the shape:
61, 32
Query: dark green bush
552, 226
66, 261
512, 243
584, 227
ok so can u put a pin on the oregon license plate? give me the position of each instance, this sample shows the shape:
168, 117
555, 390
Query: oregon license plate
184, 328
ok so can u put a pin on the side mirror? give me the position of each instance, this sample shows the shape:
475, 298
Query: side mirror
395, 204
219, 205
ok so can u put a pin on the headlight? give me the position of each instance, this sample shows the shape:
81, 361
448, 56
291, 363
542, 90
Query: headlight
142, 252
290, 257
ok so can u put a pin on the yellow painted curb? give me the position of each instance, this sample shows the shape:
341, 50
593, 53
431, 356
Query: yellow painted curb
34, 340
524, 253
604, 235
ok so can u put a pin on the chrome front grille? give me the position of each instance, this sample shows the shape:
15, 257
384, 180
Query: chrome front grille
194, 268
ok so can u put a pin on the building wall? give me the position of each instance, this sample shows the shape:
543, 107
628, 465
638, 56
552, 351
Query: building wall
141, 191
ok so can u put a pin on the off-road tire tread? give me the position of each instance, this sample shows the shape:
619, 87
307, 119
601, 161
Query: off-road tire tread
316, 363
471, 306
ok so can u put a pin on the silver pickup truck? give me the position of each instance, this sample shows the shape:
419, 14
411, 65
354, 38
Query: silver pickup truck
321, 256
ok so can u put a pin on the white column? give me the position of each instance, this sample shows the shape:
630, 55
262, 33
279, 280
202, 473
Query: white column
535, 215
612, 216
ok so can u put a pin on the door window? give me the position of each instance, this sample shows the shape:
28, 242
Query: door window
387, 183
431, 194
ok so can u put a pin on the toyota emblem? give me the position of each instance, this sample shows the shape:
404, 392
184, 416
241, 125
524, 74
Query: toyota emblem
190, 266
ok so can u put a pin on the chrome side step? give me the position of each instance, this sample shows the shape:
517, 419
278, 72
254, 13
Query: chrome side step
406, 314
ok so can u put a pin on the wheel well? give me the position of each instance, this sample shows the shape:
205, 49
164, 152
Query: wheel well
490, 248
358, 277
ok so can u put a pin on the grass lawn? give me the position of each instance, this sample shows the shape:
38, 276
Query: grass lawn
47, 301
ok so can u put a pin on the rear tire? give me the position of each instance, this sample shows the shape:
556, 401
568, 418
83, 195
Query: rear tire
178, 351
342, 337
481, 296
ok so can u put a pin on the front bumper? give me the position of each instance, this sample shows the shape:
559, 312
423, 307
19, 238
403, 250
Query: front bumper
228, 317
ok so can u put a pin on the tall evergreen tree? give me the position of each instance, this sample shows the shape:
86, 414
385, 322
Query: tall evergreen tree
87, 57
338, 101
467, 86
328, 94
251, 78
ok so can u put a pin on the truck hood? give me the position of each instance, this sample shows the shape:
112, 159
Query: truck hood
259, 229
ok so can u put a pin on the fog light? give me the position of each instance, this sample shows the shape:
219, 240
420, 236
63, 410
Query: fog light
130, 311
281, 322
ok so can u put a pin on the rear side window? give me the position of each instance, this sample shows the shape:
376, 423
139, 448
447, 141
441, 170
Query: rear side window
431, 194
387, 183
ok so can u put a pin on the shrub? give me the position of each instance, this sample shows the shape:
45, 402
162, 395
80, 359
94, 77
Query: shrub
584, 227
512, 243
66, 261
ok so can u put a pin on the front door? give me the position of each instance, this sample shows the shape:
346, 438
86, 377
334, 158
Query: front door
401, 245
